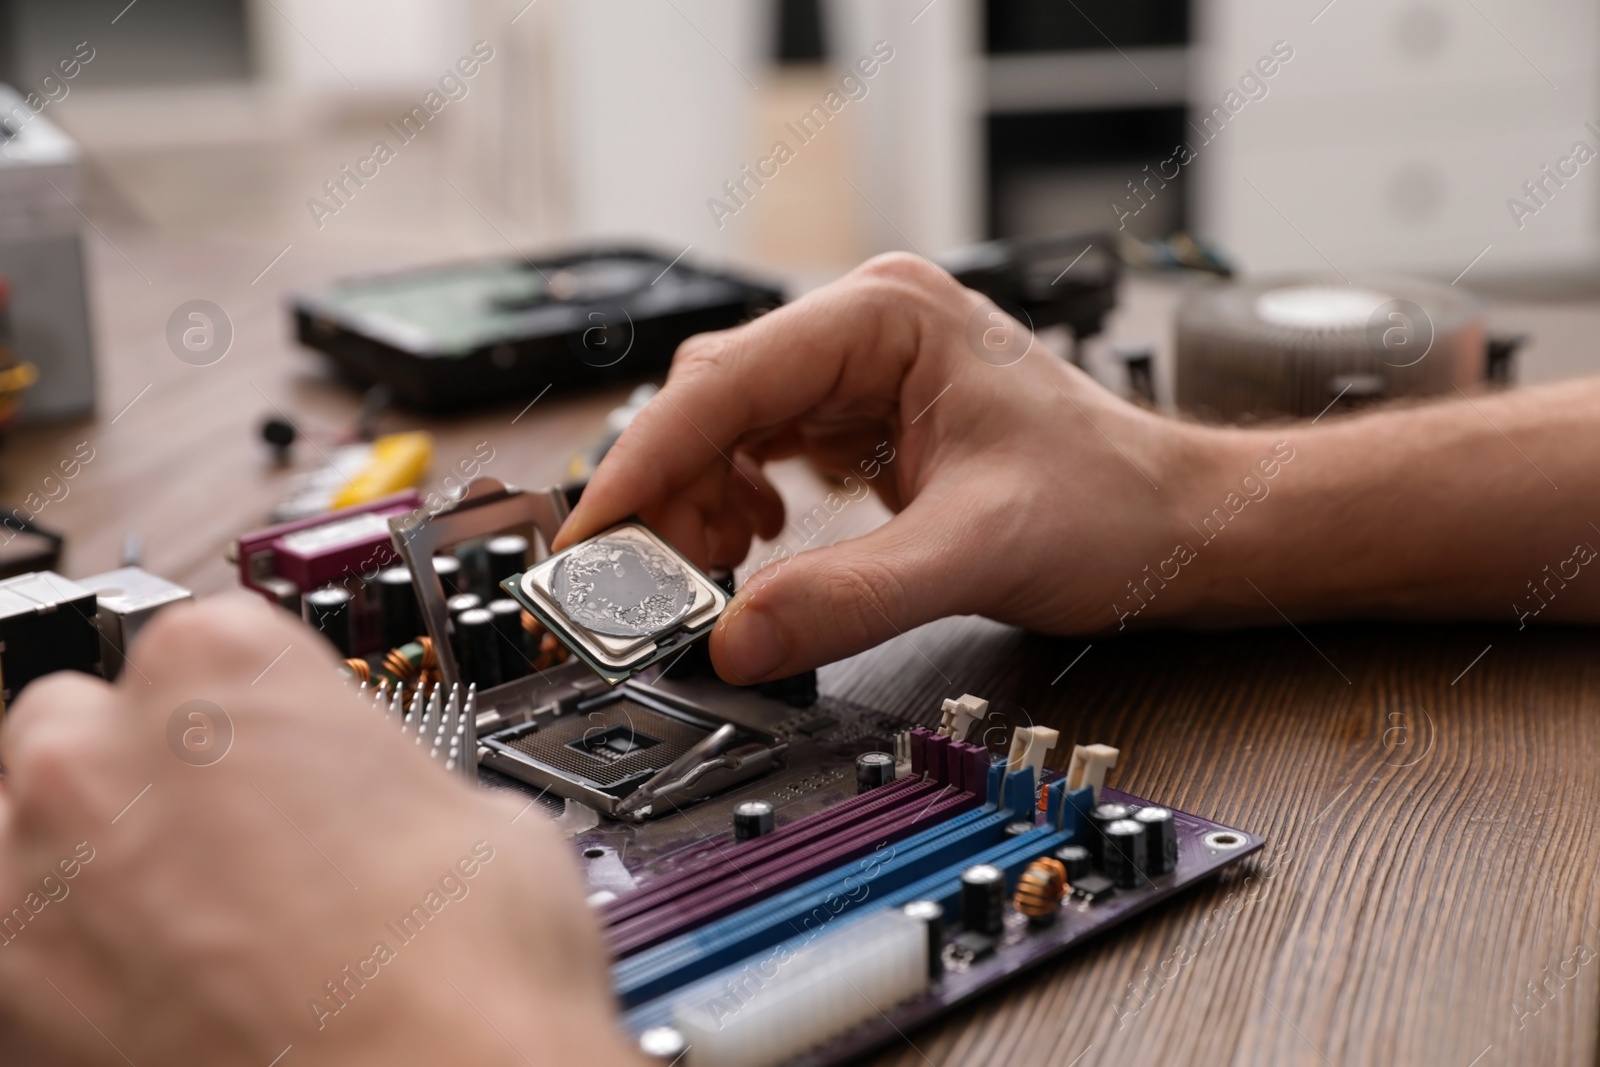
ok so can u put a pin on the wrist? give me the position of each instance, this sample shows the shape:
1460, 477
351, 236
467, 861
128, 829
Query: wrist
1224, 483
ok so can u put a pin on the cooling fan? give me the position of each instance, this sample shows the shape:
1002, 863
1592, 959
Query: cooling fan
1294, 346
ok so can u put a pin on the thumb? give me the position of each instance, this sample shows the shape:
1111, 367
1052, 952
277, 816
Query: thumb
827, 603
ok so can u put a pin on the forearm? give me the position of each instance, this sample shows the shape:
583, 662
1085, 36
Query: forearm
1478, 508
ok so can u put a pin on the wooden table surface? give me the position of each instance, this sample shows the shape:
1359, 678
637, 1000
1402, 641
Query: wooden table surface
1429, 891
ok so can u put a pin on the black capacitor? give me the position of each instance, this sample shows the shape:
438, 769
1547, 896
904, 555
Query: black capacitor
507, 555
1125, 853
931, 914
1076, 859
402, 621
1161, 840
983, 898
476, 647
463, 602
873, 769
448, 568
1101, 816
328, 610
513, 647
1017, 828
751, 819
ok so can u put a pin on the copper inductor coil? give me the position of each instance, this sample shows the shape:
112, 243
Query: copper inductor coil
1290, 346
430, 658
397, 663
1040, 889
550, 652
359, 669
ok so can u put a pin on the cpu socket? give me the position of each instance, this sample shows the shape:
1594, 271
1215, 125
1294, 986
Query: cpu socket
600, 750
621, 600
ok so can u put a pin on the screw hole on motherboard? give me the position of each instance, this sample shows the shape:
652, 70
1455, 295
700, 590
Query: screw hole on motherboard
593, 853
1222, 839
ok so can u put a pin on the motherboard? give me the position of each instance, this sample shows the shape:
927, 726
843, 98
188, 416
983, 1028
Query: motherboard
781, 876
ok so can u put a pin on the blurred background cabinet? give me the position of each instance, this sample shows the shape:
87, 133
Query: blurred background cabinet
1399, 132
1392, 139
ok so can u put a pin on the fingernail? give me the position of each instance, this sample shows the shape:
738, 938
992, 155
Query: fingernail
753, 646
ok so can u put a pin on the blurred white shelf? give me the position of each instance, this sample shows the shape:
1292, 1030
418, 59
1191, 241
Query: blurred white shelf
1074, 81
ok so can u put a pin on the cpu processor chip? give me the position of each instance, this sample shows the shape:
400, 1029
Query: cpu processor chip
622, 600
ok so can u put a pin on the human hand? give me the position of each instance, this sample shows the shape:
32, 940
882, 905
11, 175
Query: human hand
1024, 491
189, 903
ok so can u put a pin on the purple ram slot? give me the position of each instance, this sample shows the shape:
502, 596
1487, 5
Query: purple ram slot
955, 763
685, 913
787, 871
975, 760
978, 770
919, 749
747, 870
935, 750
718, 859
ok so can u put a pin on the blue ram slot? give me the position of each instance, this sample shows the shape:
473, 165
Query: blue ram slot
1020, 797
1075, 810
673, 964
997, 777
1068, 811
1011, 856
1055, 796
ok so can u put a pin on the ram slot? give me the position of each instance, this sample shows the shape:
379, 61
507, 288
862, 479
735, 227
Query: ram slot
943, 886
746, 885
674, 963
682, 959
946, 776
712, 862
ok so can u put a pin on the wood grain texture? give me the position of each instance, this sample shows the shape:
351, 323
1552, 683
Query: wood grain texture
1432, 847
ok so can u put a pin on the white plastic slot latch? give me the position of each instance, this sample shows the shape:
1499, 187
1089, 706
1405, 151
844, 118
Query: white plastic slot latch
1089, 766
960, 714
1029, 746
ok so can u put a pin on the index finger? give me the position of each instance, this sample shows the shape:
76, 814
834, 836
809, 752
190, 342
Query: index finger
850, 340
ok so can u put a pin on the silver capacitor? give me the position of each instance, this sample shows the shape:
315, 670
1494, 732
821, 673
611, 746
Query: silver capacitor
663, 1043
1124, 859
1100, 817
931, 914
873, 769
752, 819
983, 899
1161, 840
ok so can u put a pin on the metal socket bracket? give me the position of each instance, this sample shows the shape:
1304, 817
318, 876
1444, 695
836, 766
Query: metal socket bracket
488, 507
